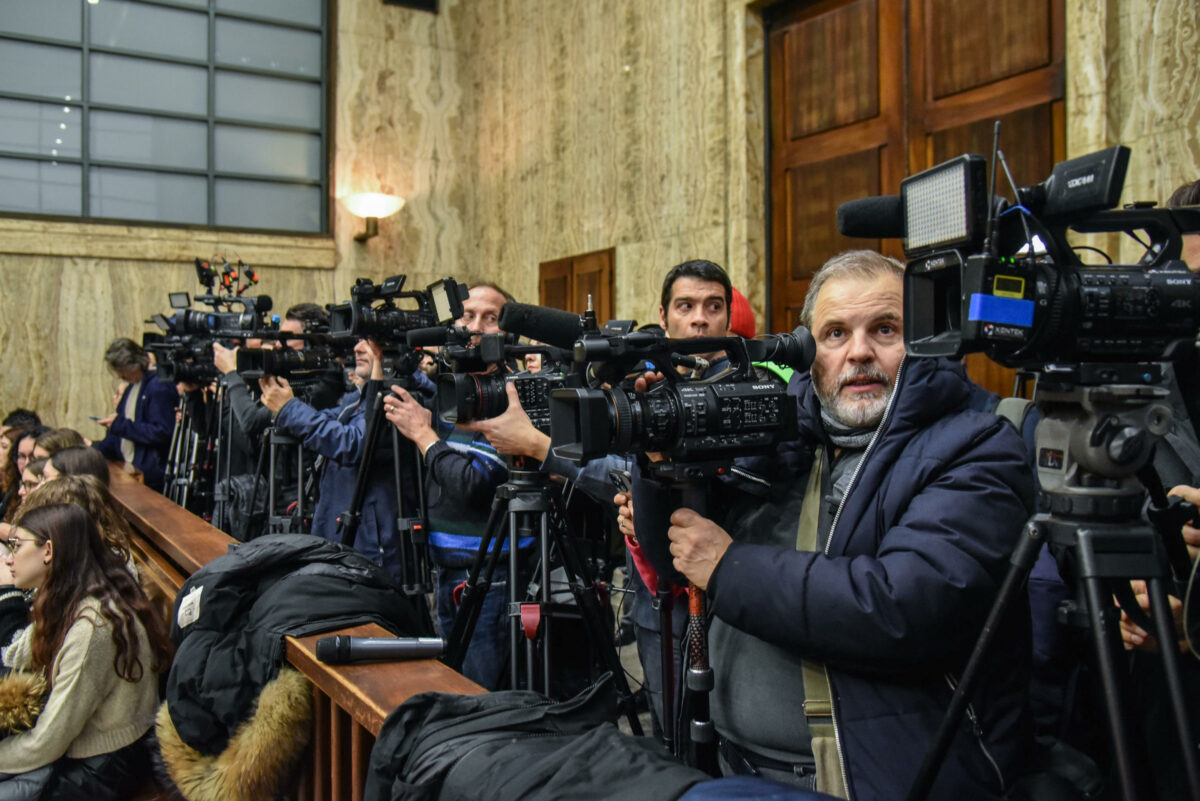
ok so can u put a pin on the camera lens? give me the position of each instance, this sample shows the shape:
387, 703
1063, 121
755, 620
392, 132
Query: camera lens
463, 397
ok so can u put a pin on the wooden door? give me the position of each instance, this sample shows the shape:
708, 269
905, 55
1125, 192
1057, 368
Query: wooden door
568, 283
940, 76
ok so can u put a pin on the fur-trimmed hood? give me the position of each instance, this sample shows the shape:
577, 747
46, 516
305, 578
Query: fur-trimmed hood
260, 756
22, 696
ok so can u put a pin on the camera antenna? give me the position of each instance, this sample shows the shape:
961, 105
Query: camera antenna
988, 245
1016, 194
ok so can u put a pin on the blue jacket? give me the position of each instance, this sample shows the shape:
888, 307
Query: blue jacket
894, 606
339, 435
463, 474
150, 432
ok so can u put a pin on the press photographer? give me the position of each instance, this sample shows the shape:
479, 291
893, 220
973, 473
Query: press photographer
856, 585
462, 474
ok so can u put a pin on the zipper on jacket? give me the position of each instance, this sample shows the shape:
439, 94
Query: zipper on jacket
883, 421
977, 730
887, 413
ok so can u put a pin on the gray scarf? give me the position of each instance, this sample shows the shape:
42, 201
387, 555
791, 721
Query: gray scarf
842, 435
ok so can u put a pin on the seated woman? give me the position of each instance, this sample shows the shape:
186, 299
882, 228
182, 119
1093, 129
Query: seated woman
100, 645
79, 461
86, 492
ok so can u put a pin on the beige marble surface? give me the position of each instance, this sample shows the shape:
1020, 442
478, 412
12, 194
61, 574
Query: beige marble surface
1134, 79
521, 131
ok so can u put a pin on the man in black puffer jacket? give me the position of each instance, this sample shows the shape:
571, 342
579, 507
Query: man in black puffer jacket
846, 604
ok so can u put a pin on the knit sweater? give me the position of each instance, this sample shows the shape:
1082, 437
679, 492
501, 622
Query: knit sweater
91, 710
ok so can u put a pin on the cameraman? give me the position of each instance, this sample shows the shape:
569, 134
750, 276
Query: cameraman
696, 301
848, 597
463, 472
139, 431
338, 435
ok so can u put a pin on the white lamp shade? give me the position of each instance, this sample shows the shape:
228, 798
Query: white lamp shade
373, 204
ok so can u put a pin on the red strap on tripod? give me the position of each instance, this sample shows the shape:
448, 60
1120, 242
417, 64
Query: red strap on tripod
531, 618
456, 594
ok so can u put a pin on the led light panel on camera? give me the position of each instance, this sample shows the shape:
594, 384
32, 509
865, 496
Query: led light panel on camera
944, 206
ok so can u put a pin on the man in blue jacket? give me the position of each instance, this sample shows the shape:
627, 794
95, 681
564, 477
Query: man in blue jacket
139, 431
339, 436
847, 602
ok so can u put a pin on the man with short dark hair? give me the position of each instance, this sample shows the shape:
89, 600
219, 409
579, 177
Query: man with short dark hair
462, 474
853, 588
139, 431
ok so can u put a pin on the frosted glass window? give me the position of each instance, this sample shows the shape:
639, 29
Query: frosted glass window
38, 128
268, 47
40, 187
303, 12
138, 195
274, 153
149, 29
177, 101
141, 139
270, 100
35, 69
255, 204
152, 85
48, 19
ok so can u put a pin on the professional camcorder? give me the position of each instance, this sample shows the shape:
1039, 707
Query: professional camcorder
184, 353
735, 413
372, 313
469, 391
1003, 278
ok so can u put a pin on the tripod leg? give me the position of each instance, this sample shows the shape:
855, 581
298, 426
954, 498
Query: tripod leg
479, 582
1104, 634
1165, 629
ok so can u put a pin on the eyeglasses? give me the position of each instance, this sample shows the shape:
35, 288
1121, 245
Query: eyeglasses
13, 544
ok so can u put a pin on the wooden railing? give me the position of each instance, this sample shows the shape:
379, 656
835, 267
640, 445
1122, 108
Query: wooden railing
350, 701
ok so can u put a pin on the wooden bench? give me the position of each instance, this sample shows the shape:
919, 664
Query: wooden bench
350, 701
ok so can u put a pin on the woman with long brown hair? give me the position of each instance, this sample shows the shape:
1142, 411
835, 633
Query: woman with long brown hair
100, 645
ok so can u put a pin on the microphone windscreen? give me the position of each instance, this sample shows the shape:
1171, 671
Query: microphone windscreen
427, 337
879, 217
263, 303
333, 650
552, 326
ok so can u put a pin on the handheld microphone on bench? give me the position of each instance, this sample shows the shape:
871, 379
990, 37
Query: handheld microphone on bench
340, 649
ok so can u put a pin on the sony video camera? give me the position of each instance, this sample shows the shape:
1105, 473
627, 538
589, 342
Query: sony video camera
372, 312
732, 414
184, 352
987, 276
472, 387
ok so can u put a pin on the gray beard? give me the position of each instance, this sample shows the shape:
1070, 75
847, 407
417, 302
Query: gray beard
854, 414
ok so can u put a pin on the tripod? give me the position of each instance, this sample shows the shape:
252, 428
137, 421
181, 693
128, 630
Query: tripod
410, 530
186, 478
525, 506
1094, 444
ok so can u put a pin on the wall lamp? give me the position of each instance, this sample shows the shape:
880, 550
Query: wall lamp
371, 206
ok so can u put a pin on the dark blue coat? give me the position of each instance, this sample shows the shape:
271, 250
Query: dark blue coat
339, 435
893, 608
150, 432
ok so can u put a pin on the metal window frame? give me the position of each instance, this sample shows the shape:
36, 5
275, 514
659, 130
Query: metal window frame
323, 128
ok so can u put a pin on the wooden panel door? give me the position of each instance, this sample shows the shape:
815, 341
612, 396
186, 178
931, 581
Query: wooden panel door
568, 283
974, 63
836, 124
862, 93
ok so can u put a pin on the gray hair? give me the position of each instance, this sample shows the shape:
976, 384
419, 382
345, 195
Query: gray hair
848, 264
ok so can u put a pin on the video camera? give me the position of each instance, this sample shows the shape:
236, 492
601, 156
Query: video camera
184, 353
372, 313
1003, 278
731, 414
471, 390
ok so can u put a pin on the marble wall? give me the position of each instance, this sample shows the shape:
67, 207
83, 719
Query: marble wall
521, 131
1131, 80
